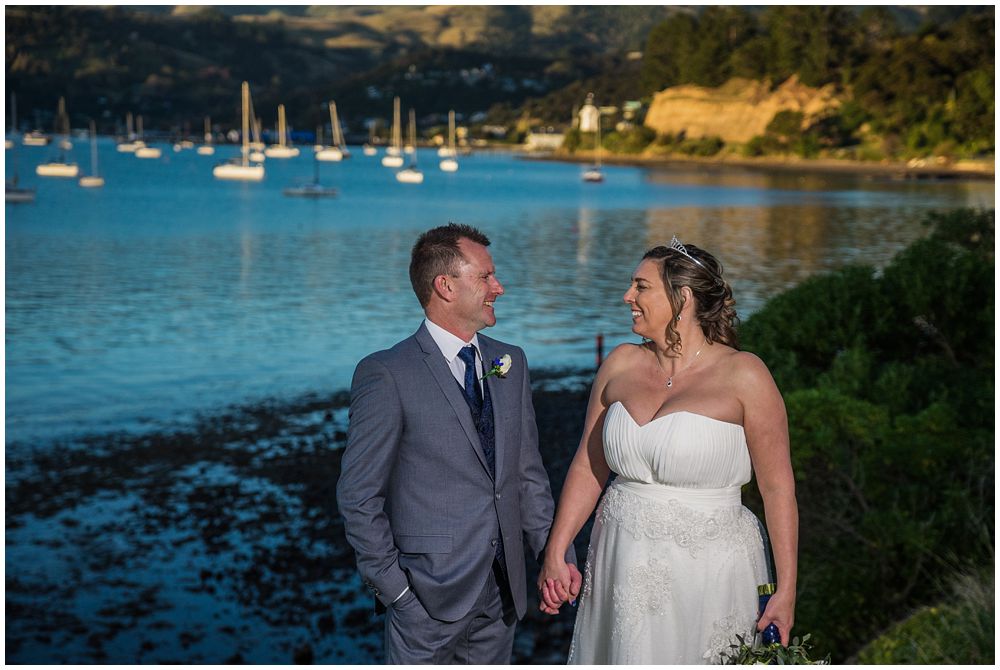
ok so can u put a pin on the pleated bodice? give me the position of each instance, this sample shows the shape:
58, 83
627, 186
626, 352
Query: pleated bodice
680, 449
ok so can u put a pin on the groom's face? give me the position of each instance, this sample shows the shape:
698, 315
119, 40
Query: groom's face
477, 287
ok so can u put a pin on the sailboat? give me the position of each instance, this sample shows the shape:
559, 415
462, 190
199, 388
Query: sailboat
394, 153
207, 149
449, 164
256, 146
60, 167
12, 192
93, 180
338, 132
144, 151
242, 170
412, 175
131, 143
335, 152
311, 189
593, 172
9, 141
369, 146
281, 149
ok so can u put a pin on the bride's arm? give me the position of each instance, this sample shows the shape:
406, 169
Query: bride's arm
766, 427
588, 472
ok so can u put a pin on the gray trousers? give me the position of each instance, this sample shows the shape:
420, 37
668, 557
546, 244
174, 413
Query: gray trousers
484, 636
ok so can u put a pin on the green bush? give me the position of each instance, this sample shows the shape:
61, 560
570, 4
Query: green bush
631, 141
888, 384
956, 631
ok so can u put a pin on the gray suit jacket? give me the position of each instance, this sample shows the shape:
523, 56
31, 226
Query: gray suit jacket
419, 505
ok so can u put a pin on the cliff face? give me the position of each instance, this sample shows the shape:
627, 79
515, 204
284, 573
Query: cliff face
736, 111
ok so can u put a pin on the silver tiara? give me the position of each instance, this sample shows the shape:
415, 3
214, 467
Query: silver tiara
677, 246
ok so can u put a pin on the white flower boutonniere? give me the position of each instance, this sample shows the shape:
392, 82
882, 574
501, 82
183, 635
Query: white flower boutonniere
501, 366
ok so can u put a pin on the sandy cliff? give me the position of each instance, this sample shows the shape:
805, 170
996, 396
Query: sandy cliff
736, 111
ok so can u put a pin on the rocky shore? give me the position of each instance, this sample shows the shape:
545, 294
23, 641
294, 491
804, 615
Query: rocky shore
895, 170
216, 544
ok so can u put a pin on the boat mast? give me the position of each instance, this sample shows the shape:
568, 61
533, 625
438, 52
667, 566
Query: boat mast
93, 148
281, 125
413, 134
246, 124
397, 131
451, 131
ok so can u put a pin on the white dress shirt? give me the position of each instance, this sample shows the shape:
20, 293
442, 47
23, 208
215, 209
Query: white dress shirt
450, 345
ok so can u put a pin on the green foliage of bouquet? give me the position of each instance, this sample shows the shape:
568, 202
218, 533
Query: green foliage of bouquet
796, 653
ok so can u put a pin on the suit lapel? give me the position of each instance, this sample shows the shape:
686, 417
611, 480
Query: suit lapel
450, 388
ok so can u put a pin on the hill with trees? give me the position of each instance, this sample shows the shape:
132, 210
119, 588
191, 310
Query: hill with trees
914, 81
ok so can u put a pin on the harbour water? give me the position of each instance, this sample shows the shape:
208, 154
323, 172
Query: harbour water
168, 293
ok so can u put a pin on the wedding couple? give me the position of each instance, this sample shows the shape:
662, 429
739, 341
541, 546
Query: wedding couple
442, 482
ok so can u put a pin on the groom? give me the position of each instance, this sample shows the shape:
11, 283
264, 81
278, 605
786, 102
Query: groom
441, 481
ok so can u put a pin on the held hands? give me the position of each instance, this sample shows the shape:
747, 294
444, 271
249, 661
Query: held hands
558, 582
780, 611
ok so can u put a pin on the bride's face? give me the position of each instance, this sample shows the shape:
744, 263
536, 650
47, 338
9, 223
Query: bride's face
647, 296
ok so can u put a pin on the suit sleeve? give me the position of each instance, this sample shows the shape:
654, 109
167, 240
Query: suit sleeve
537, 506
373, 441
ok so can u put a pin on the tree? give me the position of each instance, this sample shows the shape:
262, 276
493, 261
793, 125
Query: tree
668, 53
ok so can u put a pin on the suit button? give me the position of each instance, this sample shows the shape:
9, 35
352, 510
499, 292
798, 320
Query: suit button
497, 496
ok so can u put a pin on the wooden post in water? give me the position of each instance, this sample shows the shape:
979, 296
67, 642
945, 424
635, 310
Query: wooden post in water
600, 349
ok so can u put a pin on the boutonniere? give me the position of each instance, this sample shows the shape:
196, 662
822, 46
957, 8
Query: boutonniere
501, 366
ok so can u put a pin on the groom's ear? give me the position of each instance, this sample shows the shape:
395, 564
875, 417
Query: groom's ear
442, 287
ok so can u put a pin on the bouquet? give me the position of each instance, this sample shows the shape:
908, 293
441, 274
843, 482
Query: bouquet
796, 653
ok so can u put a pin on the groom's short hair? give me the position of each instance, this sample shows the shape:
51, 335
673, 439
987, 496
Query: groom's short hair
436, 253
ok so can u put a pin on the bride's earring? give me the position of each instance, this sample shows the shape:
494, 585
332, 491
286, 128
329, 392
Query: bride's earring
678, 318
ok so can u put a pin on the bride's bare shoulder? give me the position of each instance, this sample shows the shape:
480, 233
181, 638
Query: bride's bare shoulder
623, 355
745, 367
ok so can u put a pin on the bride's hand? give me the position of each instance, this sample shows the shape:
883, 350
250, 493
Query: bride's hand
555, 585
780, 611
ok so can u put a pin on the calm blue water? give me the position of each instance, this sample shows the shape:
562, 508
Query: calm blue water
168, 292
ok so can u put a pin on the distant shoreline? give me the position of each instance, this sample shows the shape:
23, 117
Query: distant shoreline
979, 170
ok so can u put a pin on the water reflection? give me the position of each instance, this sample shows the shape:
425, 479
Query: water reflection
148, 301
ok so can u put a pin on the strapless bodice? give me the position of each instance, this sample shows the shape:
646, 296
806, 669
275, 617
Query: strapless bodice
681, 449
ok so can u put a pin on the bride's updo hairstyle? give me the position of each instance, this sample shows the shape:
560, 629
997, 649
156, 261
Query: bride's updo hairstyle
687, 265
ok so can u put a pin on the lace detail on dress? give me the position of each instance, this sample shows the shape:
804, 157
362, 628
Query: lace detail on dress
724, 632
588, 575
646, 592
688, 527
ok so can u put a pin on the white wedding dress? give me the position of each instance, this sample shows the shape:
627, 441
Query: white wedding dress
674, 559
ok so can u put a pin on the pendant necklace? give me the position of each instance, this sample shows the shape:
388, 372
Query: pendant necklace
670, 378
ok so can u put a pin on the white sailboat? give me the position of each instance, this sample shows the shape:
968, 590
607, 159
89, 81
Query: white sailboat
282, 149
256, 146
12, 192
311, 189
412, 174
143, 151
35, 138
369, 146
242, 170
10, 142
207, 149
449, 164
60, 167
394, 152
93, 180
333, 153
593, 174
130, 144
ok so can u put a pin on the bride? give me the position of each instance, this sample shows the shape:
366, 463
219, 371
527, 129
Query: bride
675, 559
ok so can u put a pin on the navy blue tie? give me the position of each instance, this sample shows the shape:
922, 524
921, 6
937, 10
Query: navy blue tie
481, 405
473, 394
